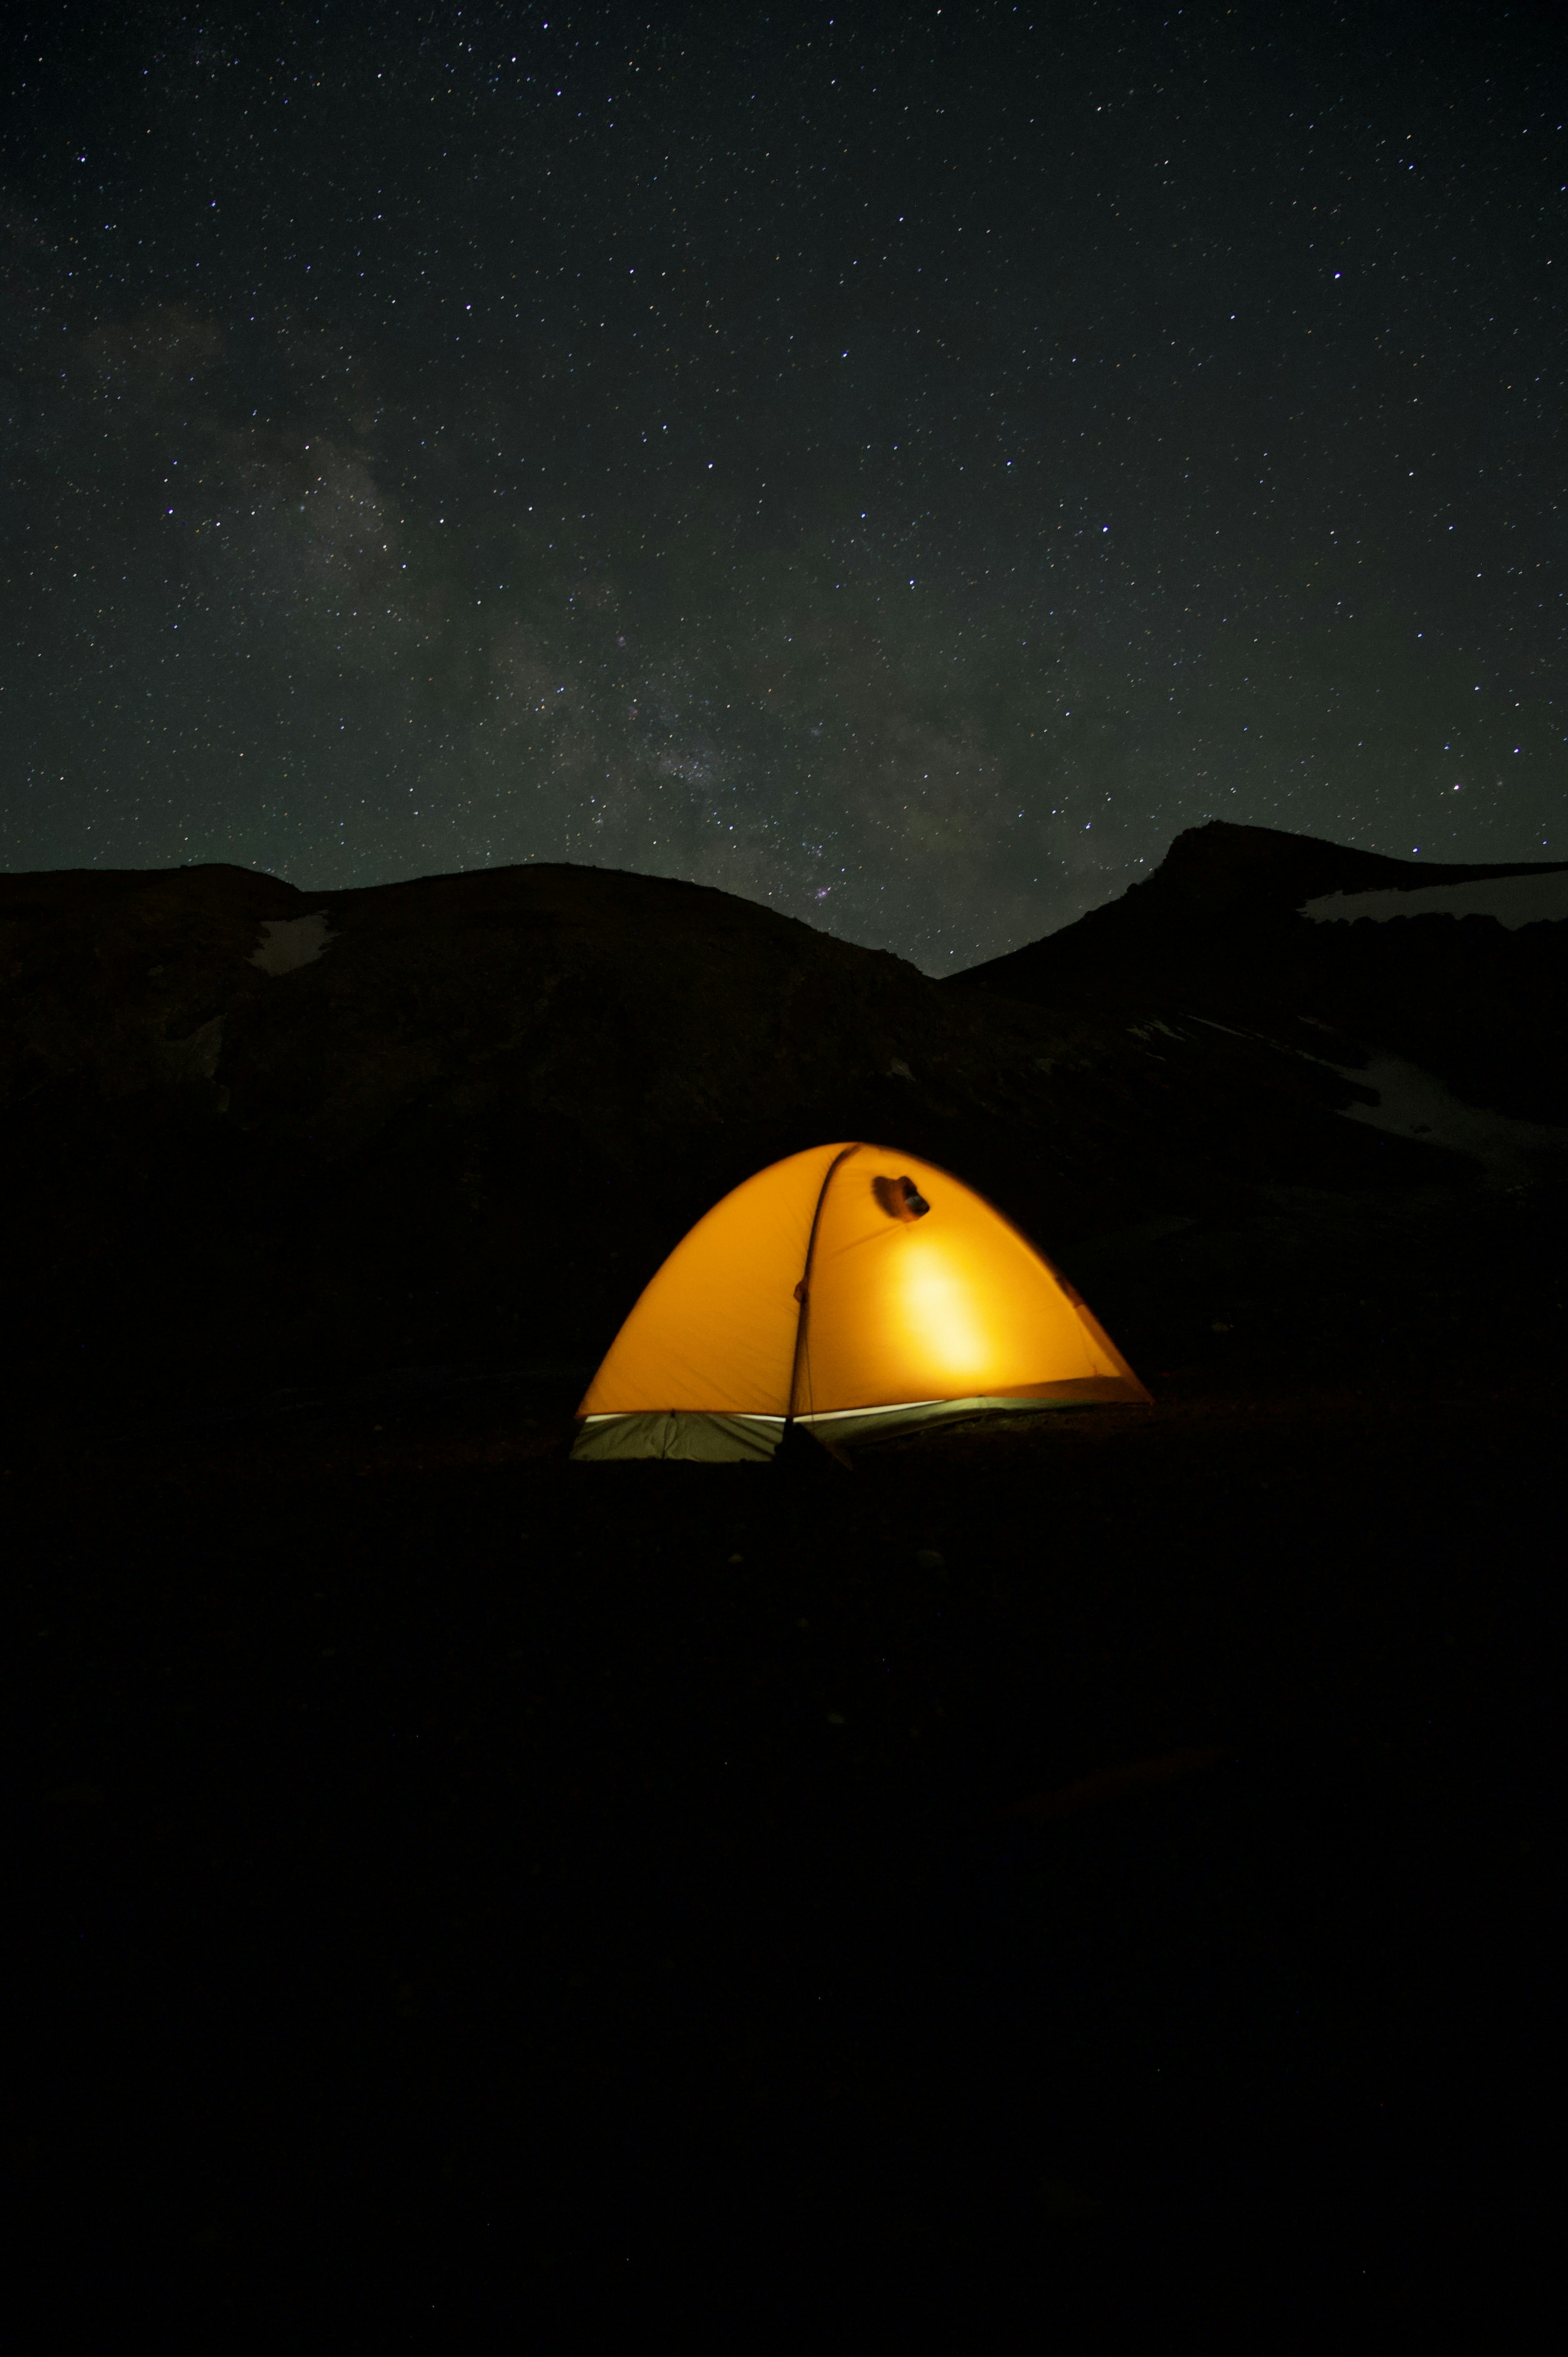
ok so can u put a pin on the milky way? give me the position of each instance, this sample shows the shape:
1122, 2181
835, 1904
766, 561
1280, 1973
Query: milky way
899, 466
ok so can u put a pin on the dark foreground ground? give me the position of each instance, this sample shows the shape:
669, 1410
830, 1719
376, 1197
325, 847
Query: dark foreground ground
465, 1895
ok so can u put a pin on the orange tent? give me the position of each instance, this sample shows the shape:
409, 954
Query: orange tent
854, 1291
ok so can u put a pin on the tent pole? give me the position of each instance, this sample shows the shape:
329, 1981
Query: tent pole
803, 1290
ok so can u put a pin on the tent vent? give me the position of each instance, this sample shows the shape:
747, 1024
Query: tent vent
900, 1198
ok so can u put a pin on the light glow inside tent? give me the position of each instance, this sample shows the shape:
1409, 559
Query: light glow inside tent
941, 1316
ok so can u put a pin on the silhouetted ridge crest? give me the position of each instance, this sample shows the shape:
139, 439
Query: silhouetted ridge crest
1252, 880
1216, 931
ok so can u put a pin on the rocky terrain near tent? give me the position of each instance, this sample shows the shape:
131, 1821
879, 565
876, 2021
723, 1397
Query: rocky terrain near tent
1096, 1868
259, 1138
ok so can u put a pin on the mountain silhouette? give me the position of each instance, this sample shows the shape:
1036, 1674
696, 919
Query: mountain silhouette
259, 1136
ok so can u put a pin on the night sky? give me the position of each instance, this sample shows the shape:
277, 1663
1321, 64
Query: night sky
901, 466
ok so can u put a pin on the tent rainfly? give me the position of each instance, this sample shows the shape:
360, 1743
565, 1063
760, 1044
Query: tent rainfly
854, 1291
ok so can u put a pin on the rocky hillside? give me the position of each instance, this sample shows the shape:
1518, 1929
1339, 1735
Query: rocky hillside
259, 1138
256, 1133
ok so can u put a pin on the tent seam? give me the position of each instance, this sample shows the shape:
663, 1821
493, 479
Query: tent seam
803, 1290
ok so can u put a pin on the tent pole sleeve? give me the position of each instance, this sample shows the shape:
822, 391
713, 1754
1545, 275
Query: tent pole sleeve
803, 1291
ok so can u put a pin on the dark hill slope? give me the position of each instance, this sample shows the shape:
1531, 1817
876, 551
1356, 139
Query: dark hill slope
1217, 930
453, 1130
470, 1127
467, 1130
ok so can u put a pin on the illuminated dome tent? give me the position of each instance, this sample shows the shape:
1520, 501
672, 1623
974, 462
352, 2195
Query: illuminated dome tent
854, 1291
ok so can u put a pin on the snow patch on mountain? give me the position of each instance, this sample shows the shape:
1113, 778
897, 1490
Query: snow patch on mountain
1415, 1103
1513, 900
292, 941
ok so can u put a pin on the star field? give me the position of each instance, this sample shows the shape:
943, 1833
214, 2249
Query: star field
899, 465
